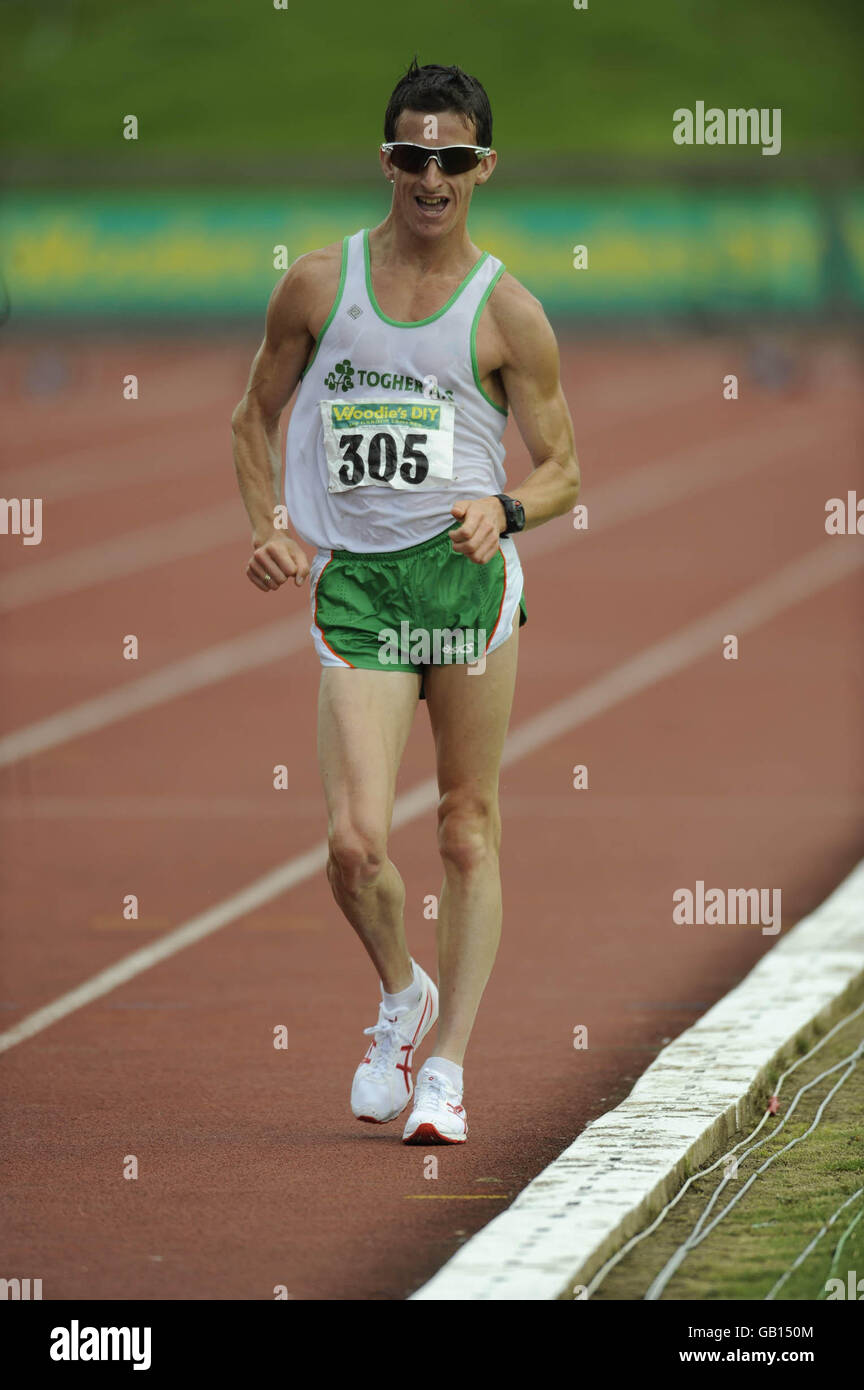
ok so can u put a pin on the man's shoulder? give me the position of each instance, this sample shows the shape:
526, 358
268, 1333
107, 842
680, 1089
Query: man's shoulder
517, 316
313, 267
309, 283
321, 259
511, 301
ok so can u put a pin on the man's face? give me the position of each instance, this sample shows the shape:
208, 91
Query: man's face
433, 203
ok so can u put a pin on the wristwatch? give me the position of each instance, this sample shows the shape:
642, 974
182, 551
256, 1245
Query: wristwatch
514, 512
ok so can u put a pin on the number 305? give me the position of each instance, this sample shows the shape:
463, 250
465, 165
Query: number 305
382, 459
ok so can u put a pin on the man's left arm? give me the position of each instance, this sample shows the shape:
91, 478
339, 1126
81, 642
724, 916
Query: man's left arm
531, 375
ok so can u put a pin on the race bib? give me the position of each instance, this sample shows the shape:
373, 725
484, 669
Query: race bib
401, 444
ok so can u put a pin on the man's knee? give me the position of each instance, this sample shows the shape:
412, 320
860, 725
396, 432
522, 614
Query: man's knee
469, 829
357, 855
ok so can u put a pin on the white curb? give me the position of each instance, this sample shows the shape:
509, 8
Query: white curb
626, 1165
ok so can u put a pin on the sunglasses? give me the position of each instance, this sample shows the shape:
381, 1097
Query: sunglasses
452, 159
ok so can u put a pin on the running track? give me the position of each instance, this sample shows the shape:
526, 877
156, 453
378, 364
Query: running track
154, 777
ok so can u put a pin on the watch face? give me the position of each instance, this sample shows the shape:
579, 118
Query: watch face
514, 513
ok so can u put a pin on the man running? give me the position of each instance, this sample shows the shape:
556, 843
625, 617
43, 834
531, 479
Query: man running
410, 345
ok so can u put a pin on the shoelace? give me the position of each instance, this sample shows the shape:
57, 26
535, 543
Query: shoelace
431, 1091
387, 1039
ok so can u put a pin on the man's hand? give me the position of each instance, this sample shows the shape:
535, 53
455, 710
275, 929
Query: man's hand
483, 519
274, 561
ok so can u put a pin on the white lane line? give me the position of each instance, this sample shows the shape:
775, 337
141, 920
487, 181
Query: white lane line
209, 667
643, 491
162, 808
263, 890
104, 465
621, 1170
795, 582
119, 556
98, 467
681, 476
694, 469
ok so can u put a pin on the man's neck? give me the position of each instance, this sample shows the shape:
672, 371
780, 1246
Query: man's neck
396, 245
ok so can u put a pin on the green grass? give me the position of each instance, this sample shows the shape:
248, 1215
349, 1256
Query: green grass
781, 1213
232, 78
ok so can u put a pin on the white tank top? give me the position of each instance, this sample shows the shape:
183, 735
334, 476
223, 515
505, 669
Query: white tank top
391, 425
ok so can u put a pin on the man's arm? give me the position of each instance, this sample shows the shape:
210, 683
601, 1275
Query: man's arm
288, 339
522, 340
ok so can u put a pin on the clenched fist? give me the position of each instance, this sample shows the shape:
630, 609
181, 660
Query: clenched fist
276, 560
483, 519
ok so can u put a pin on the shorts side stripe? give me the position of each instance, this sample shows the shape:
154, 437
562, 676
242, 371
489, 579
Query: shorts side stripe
316, 623
501, 604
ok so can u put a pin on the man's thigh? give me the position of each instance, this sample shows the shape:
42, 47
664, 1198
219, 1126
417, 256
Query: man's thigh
364, 718
469, 715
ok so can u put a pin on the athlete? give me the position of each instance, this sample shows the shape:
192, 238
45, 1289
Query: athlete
410, 347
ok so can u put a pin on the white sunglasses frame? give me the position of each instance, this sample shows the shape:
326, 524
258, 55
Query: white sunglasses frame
481, 151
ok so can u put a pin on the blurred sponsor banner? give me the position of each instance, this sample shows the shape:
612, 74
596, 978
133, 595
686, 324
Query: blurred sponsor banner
619, 253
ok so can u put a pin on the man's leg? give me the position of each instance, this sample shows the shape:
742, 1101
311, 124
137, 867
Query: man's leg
364, 718
469, 715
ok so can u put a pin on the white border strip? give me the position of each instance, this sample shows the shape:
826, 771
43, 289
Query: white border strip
627, 1164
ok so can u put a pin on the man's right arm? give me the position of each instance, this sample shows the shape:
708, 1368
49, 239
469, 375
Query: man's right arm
296, 312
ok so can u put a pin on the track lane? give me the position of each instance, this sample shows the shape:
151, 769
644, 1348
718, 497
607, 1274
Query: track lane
263, 1139
252, 736
237, 1151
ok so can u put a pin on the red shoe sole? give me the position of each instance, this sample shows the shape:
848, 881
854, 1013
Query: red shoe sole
428, 1134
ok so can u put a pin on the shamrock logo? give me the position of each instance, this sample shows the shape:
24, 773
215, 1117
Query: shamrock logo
341, 378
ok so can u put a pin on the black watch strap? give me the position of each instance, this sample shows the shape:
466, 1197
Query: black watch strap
514, 513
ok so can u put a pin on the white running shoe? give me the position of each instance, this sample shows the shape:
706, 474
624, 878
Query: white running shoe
384, 1082
438, 1117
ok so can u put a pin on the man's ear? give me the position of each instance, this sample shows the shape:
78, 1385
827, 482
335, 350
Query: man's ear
487, 164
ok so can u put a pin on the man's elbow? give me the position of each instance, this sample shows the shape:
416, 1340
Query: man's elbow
572, 483
248, 416
240, 417
576, 479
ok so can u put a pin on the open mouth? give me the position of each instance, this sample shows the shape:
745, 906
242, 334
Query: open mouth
432, 207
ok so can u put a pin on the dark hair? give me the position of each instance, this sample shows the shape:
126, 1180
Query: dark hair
433, 88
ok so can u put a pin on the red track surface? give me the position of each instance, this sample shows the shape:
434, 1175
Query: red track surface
252, 1172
